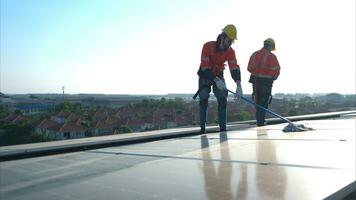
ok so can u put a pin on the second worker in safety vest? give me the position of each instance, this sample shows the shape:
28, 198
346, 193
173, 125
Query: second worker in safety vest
264, 69
213, 57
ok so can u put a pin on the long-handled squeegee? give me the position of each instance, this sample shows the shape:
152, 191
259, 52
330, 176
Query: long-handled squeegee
291, 127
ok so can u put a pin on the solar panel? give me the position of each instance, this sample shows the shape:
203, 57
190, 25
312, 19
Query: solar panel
247, 163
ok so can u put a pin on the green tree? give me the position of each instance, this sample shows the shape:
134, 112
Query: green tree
65, 106
306, 105
20, 133
124, 129
145, 103
292, 112
18, 112
284, 106
163, 102
179, 103
334, 98
241, 116
77, 107
33, 96
4, 110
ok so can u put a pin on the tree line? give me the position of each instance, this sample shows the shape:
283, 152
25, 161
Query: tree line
23, 131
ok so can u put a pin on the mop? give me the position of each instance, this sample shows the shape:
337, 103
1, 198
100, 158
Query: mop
291, 127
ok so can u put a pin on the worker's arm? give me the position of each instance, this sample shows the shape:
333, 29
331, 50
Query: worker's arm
235, 71
275, 66
234, 67
252, 63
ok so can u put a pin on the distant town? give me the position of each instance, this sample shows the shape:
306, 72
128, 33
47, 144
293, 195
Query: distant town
28, 118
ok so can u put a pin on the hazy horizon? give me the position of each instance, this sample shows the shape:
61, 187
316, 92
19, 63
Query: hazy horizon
138, 94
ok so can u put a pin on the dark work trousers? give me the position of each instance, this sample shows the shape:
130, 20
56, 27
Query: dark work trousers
262, 93
220, 95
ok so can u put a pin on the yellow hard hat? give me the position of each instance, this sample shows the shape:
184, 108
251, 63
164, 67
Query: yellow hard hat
271, 42
230, 31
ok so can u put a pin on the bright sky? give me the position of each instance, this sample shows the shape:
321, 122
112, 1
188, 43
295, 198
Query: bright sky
154, 46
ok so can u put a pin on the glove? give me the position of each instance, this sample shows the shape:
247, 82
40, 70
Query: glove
238, 90
220, 83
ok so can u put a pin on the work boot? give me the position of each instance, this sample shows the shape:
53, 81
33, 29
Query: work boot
202, 131
261, 124
260, 121
202, 119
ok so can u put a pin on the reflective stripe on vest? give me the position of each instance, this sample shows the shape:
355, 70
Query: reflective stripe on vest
263, 76
274, 68
232, 61
233, 64
234, 67
205, 59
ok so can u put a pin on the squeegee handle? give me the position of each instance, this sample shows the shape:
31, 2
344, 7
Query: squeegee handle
203, 86
263, 108
196, 94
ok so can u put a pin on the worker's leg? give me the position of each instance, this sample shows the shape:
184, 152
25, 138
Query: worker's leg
222, 113
256, 98
203, 103
259, 100
266, 92
221, 96
263, 93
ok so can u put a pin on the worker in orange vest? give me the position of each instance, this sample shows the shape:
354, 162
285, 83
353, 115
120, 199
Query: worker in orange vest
264, 69
213, 57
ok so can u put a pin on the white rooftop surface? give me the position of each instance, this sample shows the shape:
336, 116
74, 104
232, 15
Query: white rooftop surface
252, 163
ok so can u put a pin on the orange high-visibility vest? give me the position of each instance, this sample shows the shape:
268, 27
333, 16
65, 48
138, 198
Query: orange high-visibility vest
210, 59
264, 64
